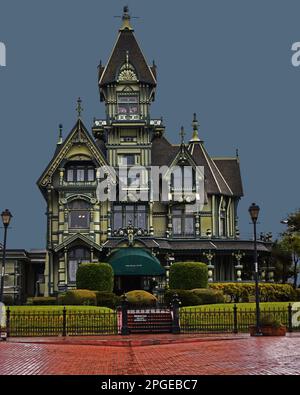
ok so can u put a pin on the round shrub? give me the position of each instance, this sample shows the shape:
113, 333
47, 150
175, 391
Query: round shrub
186, 297
78, 297
141, 298
188, 275
107, 299
95, 276
209, 296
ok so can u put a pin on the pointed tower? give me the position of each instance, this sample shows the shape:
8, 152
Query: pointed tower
127, 87
127, 84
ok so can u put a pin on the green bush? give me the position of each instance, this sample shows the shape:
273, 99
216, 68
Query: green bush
107, 299
42, 301
188, 275
186, 297
297, 294
245, 292
209, 296
270, 321
78, 297
141, 298
95, 277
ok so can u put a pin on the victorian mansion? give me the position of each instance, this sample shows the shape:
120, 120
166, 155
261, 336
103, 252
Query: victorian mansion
139, 238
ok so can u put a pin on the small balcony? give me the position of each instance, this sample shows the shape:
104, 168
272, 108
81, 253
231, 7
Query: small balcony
78, 184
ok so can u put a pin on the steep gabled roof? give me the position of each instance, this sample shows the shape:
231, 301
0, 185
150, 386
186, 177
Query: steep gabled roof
215, 183
78, 134
127, 43
230, 169
162, 152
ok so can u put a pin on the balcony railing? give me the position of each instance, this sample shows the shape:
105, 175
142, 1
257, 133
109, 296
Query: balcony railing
78, 184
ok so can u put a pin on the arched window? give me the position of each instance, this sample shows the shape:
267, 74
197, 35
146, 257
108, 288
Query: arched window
77, 256
79, 214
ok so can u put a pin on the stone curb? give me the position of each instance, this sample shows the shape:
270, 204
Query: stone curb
125, 342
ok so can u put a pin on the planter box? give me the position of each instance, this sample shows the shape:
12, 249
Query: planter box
269, 330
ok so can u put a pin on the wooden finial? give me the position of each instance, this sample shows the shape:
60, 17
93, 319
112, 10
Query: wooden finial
79, 108
182, 134
60, 138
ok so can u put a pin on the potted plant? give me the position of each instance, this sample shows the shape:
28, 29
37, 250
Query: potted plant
269, 326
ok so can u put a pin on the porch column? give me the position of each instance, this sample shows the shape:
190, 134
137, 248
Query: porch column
238, 267
210, 256
61, 273
151, 229
66, 266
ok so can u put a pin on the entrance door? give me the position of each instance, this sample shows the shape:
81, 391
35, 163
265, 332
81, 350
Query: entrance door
131, 283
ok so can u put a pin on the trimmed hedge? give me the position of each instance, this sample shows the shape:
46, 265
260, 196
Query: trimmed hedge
188, 275
297, 292
186, 297
78, 297
245, 292
195, 297
107, 299
209, 296
141, 298
95, 277
42, 301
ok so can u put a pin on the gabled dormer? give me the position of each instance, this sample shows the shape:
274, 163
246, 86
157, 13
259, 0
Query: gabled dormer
127, 83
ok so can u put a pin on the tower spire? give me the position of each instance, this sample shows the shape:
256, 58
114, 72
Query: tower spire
126, 20
195, 125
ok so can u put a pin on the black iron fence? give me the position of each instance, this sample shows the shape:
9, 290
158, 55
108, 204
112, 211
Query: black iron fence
233, 320
64, 322
127, 319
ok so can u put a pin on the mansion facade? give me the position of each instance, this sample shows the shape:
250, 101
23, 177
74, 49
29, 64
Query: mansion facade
140, 238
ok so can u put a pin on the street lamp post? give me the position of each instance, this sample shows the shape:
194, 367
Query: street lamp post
6, 217
254, 211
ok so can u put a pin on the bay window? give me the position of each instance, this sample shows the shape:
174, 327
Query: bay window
136, 214
79, 214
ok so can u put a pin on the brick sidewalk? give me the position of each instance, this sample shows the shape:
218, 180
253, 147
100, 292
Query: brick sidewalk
246, 355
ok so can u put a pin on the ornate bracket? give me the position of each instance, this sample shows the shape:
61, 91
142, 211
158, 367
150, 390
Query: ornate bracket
130, 232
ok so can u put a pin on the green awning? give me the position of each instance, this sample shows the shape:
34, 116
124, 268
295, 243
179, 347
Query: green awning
135, 262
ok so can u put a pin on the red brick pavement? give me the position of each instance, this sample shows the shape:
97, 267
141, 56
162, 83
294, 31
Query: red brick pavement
246, 355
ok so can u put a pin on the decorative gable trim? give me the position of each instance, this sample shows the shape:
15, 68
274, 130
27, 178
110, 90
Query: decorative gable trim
75, 237
78, 135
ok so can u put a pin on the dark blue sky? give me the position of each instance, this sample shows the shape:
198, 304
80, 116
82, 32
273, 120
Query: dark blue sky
229, 61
